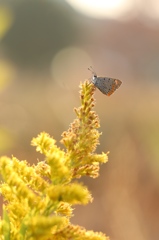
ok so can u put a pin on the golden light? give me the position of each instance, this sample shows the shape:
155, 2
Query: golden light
102, 8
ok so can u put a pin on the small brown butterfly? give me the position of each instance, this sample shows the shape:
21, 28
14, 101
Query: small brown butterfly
105, 84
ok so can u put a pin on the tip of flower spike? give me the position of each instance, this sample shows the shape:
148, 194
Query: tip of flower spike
87, 84
82, 137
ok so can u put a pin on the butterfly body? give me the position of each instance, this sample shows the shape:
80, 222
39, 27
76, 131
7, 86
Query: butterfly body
105, 84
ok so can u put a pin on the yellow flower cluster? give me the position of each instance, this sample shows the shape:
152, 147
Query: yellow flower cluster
38, 199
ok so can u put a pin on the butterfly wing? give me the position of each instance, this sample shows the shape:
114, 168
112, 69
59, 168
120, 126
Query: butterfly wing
107, 85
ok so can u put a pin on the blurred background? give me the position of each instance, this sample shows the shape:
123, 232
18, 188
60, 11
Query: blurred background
45, 50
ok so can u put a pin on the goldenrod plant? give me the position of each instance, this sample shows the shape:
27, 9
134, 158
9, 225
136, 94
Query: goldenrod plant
39, 199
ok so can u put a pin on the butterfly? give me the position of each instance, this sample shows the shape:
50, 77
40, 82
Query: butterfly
105, 84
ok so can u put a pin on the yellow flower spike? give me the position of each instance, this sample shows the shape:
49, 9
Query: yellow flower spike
42, 169
17, 187
72, 193
38, 199
5, 191
21, 190
87, 170
59, 171
28, 174
15, 208
41, 226
44, 143
76, 232
82, 138
64, 209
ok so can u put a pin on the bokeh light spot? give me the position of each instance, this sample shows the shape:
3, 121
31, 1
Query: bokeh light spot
69, 66
102, 8
6, 20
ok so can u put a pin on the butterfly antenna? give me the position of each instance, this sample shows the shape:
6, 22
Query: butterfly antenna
92, 71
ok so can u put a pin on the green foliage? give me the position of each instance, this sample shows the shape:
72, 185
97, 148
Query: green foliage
38, 199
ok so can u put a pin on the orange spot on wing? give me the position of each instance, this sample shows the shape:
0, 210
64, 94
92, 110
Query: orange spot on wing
115, 86
112, 89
